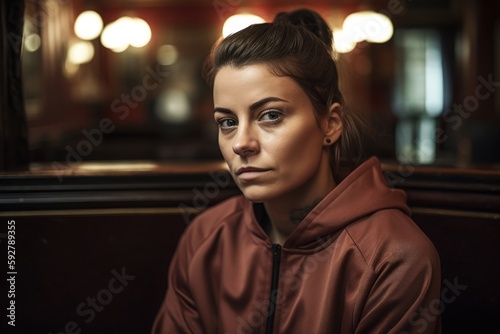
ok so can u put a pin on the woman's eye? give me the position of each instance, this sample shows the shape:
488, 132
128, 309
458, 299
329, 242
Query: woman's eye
226, 123
272, 116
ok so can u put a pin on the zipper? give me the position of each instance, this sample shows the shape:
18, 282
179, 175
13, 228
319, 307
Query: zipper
274, 288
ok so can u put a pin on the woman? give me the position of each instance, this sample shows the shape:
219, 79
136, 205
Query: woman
317, 243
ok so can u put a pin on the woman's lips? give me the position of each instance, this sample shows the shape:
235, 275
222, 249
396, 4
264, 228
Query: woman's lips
250, 173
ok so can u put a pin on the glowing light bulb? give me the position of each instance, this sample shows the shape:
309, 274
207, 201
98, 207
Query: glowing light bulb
113, 38
238, 22
81, 52
32, 42
88, 25
126, 31
379, 29
343, 42
368, 26
140, 35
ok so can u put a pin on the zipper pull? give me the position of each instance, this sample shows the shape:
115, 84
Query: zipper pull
276, 251
274, 287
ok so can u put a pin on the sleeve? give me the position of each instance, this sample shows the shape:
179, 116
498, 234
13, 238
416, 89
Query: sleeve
178, 313
405, 295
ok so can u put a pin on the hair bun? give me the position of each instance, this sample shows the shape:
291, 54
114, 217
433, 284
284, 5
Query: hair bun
310, 20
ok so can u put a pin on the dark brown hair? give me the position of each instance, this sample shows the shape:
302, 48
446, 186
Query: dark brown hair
298, 45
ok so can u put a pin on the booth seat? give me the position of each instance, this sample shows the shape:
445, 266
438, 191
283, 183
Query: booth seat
94, 241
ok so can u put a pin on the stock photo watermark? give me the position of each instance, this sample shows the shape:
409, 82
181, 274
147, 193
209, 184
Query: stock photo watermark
39, 19
460, 111
292, 277
11, 271
89, 308
453, 116
221, 7
122, 107
201, 199
449, 294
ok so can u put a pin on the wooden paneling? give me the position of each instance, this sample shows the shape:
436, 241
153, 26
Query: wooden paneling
459, 210
64, 260
71, 236
469, 249
12, 115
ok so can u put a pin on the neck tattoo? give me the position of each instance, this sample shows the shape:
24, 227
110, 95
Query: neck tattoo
297, 215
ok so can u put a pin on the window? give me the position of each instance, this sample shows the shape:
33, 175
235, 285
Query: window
419, 93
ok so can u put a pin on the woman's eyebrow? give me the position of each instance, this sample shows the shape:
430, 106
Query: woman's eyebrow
253, 106
222, 110
264, 101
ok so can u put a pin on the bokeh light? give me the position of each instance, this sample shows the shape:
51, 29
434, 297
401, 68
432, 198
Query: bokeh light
167, 55
238, 22
88, 25
173, 106
32, 42
368, 26
80, 52
125, 32
343, 42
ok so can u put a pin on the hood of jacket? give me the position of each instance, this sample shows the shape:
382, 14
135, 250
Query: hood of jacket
359, 195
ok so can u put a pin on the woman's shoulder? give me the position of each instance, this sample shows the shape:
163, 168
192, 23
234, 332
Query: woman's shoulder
391, 236
213, 218
224, 209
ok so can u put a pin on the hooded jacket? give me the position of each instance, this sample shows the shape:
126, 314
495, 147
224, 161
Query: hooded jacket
357, 263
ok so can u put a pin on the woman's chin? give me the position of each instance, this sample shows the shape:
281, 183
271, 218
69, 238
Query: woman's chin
255, 196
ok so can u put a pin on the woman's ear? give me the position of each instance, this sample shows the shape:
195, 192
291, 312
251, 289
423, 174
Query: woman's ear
332, 124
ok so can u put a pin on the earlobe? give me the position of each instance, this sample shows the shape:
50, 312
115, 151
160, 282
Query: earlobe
333, 124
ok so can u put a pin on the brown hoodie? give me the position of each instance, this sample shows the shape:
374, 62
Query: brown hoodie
356, 264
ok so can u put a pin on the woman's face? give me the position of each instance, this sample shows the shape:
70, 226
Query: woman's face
269, 134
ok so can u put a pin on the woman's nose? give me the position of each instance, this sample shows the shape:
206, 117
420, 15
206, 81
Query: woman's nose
245, 142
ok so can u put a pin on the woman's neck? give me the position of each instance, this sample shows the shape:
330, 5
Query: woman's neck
286, 213
284, 221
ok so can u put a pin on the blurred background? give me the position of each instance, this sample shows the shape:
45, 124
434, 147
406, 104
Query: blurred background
108, 146
122, 80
